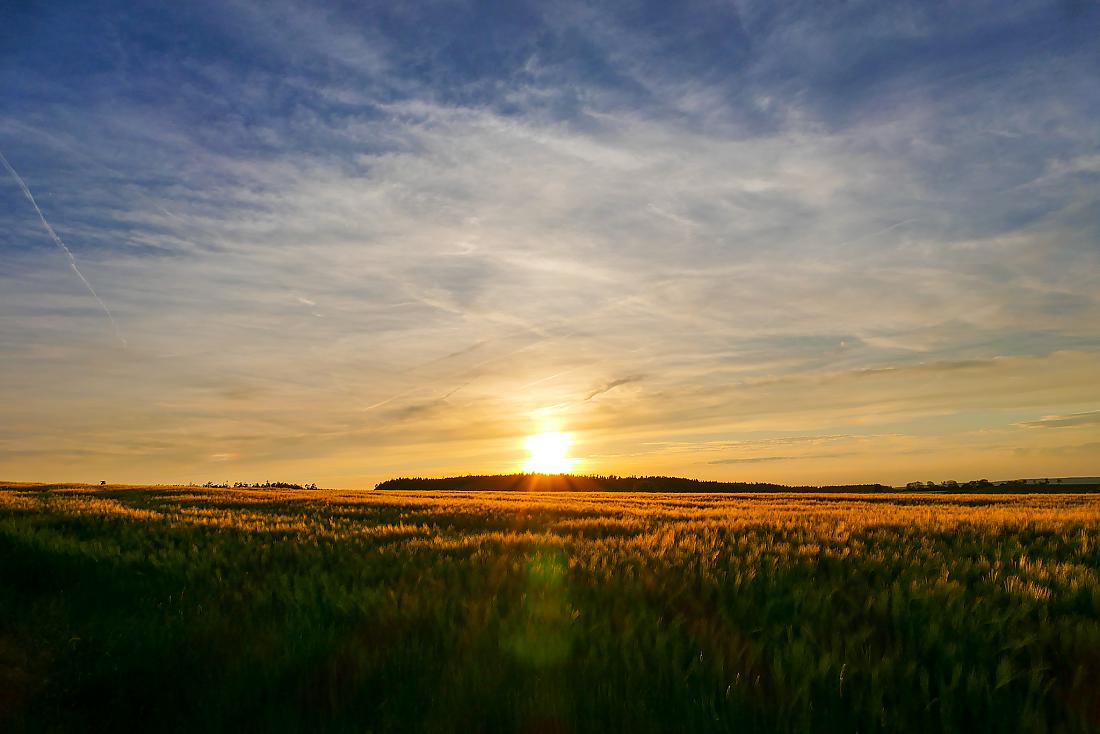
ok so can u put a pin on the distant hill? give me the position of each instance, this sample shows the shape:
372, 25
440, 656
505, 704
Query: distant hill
593, 483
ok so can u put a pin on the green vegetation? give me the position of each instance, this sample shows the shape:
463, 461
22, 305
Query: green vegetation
190, 609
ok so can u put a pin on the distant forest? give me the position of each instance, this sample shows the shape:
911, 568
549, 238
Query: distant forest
613, 483
596, 483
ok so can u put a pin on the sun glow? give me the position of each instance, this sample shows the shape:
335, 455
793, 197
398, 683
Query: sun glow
549, 453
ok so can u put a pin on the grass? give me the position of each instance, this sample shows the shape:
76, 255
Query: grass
184, 609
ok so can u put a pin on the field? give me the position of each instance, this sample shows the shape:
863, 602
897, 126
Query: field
187, 609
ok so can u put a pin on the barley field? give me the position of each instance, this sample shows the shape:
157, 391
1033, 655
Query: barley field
188, 609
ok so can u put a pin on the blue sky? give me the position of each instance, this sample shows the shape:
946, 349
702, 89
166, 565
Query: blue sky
790, 242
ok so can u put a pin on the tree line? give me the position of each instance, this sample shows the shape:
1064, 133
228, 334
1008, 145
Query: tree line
601, 483
259, 485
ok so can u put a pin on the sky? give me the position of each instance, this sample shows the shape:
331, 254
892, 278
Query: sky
800, 242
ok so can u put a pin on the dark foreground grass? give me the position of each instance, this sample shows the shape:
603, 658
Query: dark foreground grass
179, 609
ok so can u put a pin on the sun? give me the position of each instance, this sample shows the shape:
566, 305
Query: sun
549, 453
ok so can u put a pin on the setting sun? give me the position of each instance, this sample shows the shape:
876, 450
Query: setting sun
548, 453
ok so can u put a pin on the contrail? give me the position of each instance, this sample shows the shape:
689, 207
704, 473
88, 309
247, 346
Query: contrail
57, 240
884, 230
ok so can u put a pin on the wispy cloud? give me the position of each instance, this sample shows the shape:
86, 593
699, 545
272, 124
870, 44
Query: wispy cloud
788, 458
1065, 421
611, 385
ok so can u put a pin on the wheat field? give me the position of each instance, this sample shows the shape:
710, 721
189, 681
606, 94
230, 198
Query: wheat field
187, 609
